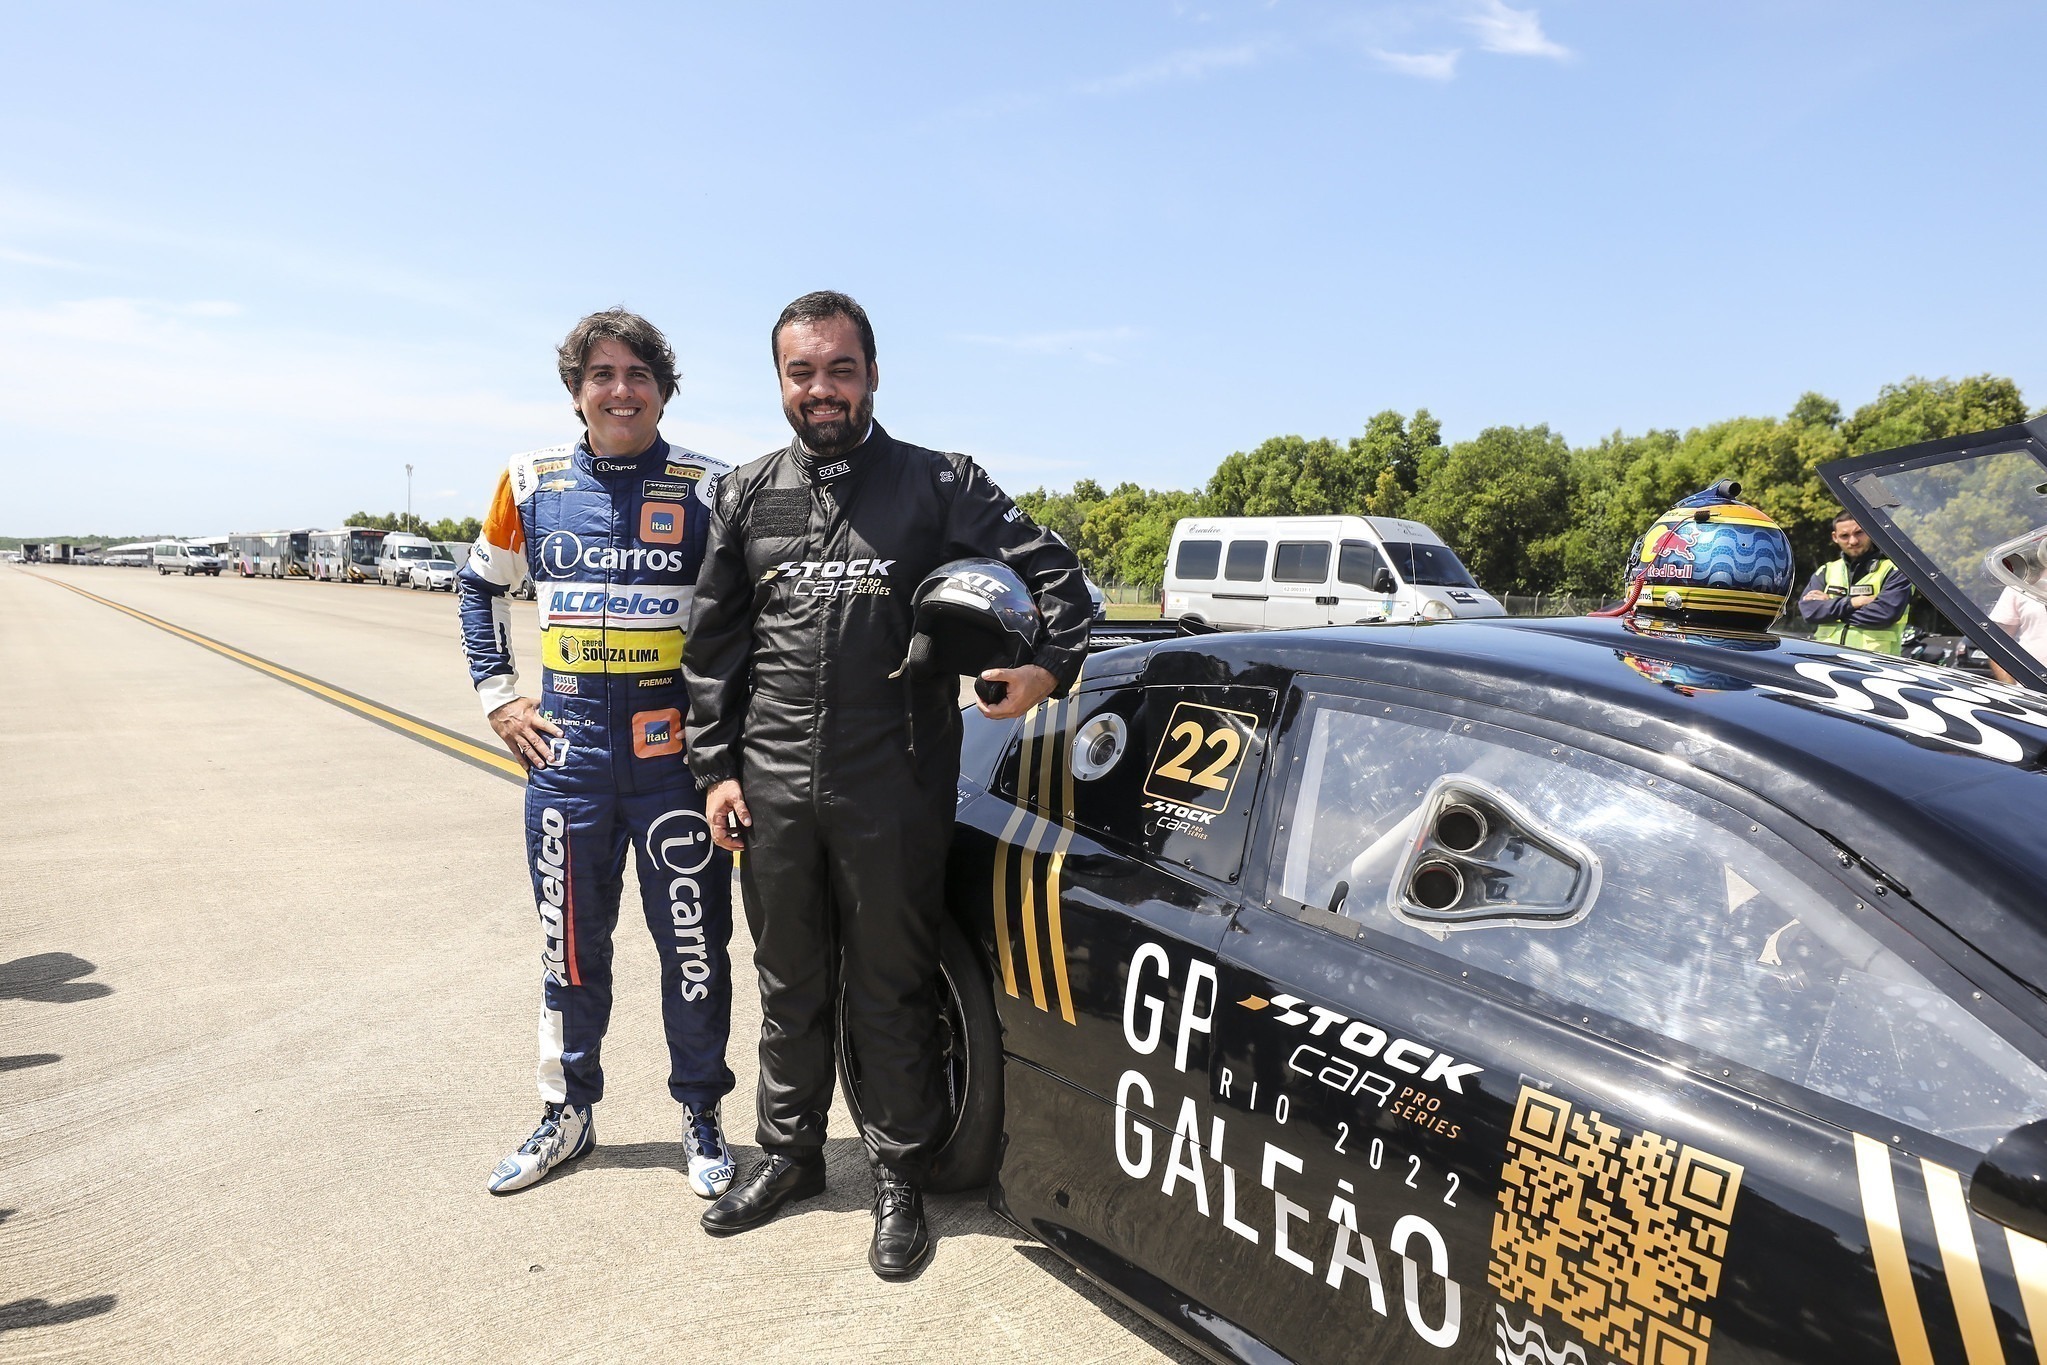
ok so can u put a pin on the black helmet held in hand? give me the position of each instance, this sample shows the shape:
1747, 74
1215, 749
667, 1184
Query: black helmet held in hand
971, 615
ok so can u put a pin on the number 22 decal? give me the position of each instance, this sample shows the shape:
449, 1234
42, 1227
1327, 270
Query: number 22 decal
1200, 755
1225, 742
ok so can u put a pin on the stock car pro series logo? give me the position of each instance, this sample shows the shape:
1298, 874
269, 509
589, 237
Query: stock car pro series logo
1297, 1199
832, 577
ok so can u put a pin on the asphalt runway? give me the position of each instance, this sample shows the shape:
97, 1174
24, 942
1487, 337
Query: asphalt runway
267, 998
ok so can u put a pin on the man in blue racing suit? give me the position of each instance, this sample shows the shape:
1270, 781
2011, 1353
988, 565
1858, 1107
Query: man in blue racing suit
611, 531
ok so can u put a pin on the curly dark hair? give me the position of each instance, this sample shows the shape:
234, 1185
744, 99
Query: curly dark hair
816, 306
629, 330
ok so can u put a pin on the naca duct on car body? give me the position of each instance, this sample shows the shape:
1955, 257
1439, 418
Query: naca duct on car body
1524, 991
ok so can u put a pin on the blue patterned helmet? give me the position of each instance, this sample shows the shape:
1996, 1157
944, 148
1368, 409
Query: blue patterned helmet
1713, 562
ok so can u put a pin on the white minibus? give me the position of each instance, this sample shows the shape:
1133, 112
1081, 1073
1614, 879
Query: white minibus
1272, 572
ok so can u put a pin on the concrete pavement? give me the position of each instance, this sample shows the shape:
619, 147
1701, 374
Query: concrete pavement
267, 992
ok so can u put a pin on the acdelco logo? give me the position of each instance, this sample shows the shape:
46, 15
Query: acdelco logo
831, 577
553, 867
685, 849
1363, 1040
564, 553
597, 604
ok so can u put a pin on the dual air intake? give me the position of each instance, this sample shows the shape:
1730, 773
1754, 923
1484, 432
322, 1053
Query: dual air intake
1478, 858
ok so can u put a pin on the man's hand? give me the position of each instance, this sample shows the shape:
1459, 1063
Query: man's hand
524, 730
723, 799
1816, 595
1858, 602
1028, 686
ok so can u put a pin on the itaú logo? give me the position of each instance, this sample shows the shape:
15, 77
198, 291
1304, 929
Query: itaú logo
564, 553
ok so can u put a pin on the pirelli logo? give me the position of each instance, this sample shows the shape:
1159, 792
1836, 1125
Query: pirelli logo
1885, 1201
1031, 856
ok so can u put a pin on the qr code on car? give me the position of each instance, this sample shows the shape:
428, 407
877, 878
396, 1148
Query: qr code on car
1620, 1235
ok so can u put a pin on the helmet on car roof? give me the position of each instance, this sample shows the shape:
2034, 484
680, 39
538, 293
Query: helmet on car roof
1714, 563
972, 614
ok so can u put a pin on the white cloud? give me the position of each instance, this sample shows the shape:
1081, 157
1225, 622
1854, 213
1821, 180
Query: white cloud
1186, 65
1432, 66
1093, 344
1517, 33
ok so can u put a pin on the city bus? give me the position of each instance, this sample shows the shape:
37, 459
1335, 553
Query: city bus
345, 555
271, 554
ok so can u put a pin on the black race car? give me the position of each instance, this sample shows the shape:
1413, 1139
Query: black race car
1529, 991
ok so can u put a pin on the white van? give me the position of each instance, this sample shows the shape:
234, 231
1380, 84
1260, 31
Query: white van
171, 556
399, 552
1272, 572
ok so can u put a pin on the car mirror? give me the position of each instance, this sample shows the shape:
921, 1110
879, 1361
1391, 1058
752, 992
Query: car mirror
1382, 581
2010, 1185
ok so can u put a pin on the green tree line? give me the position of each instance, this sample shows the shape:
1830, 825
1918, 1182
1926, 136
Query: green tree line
1527, 511
447, 528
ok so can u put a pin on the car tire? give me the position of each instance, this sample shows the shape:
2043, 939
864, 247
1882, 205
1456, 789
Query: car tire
972, 1047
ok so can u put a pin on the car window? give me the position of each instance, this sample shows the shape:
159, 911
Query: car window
1168, 771
1198, 559
1600, 887
1246, 561
1301, 561
1359, 563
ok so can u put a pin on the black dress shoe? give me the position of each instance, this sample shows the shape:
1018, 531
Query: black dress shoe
759, 1195
901, 1242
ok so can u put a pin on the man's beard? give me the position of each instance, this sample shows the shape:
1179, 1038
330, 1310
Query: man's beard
836, 436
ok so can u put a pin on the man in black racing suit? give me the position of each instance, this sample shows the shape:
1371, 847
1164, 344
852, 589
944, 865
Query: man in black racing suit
838, 771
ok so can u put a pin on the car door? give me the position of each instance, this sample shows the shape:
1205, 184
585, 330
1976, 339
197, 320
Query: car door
1107, 851
1301, 593
1528, 1051
1240, 599
1359, 565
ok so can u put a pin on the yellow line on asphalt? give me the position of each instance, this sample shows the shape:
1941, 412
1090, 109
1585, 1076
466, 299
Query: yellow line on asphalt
426, 732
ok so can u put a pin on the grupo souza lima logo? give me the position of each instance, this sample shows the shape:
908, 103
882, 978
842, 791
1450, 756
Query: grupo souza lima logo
680, 842
563, 552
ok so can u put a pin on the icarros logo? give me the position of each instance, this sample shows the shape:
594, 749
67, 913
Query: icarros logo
680, 841
563, 554
686, 848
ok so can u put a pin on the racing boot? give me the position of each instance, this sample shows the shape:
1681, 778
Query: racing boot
566, 1132
703, 1142
777, 1179
901, 1242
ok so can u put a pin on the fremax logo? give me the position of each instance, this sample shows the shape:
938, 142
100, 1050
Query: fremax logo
563, 554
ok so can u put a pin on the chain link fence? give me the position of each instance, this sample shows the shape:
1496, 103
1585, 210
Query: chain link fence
1548, 604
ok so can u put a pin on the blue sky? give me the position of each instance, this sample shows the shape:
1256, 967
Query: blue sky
254, 259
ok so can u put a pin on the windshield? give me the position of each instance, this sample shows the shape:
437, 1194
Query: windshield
1973, 522
411, 552
1430, 566
447, 564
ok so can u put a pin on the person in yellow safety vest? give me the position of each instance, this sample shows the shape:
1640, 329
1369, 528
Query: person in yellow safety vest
1858, 599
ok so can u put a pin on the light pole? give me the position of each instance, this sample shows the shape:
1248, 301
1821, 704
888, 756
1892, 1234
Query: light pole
408, 497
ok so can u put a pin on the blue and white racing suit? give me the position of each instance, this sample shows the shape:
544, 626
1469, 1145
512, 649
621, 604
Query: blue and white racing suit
613, 548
